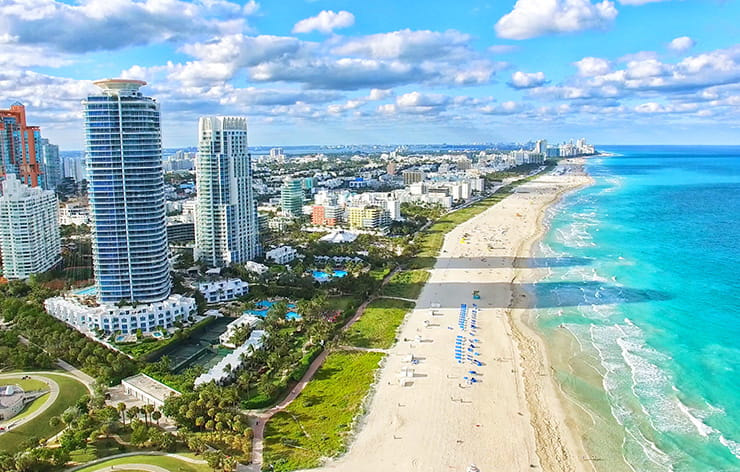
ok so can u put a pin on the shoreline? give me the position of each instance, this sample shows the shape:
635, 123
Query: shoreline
556, 448
511, 419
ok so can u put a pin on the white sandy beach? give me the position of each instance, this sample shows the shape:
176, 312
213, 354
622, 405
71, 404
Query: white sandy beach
511, 419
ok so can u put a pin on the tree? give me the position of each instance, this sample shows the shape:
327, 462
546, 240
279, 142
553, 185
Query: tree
121, 407
156, 415
148, 410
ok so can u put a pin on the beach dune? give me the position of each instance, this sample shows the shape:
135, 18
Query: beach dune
427, 414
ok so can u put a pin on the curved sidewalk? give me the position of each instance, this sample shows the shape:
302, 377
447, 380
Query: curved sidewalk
53, 395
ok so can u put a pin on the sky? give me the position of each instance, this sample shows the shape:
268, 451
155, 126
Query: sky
387, 71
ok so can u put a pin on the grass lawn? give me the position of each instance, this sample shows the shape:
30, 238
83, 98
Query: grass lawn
317, 423
99, 449
70, 391
377, 327
170, 463
406, 284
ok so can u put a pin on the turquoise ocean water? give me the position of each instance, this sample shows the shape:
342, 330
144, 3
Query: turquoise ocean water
645, 274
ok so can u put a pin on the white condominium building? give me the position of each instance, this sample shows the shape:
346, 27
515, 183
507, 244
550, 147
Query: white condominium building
29, 229
226, 228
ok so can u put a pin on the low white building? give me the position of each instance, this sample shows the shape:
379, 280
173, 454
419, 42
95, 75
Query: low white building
223, 290
225, 371
244, 320
338, 237
281, 254
150, 391
256, 267
86, 315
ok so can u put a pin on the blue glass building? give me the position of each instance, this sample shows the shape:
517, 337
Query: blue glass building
126, 192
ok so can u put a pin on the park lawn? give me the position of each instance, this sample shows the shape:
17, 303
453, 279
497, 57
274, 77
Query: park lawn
432, 239
317, 423
378, 325
406, 284
70, 391
166, 462
100, 448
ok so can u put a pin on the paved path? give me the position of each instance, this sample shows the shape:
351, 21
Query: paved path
136, 467
53, 394
257, 421
131, 454
411, 300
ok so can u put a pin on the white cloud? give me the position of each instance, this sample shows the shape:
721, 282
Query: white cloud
681, 44
532, 18
639, 2
94, 25
408, 45
503, 48
522, 80
591, 66
325, 22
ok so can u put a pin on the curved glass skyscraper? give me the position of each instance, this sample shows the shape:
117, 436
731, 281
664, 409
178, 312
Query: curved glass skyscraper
226, 226
126, 191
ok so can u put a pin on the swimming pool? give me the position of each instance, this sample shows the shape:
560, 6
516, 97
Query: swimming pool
91, 290
322, 276
266, 305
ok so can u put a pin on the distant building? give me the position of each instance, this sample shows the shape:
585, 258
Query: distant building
74, 214
326, 215
223, 290
227, 229
51, 164
13, 399
391, 168
20, 146
367, 217
412, 176
291, 197
256, 267
74, 168
282, 255
29, 229
181, 233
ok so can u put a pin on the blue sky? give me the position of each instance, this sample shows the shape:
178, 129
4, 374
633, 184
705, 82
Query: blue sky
332, 72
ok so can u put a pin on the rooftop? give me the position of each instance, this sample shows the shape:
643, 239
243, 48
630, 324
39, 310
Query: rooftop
150, 386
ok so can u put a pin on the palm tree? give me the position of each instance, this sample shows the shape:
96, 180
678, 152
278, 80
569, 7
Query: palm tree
148, 409
156, 415
121, 407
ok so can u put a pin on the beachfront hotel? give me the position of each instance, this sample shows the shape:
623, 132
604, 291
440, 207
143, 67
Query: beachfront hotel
29, 231
226, 225
127, 207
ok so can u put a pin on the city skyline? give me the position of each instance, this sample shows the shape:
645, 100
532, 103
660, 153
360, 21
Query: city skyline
333, 72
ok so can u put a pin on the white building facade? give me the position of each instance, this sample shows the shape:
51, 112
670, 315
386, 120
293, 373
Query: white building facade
223, 290
29, 230
124, 319
282, 255
226, 225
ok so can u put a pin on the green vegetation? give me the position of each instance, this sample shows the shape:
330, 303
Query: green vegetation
379, 324
406, 284
166, 462
316, 424
29, 320
70, 391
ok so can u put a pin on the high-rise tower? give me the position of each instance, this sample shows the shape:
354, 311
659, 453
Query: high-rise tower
291, 197
126, 191
20, 146
226, 226
29, 229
